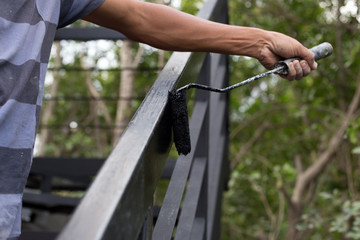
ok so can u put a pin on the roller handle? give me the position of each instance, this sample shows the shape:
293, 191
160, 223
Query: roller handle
320, 51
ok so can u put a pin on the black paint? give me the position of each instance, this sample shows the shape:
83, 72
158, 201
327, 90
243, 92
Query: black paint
180, 122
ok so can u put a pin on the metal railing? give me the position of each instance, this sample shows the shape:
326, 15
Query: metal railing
119, 202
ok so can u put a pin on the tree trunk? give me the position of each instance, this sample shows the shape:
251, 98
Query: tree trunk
294, 217
341, 78
126, 89
48, 110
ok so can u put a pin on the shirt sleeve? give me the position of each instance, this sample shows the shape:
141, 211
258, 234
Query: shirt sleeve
72, 10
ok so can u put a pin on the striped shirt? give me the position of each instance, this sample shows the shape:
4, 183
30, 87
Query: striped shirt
27, 29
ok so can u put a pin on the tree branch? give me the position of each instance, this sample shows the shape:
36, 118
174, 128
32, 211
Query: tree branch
249, 144
324, 158
298, 164
253, 117
257, 188
138, 57
286, 195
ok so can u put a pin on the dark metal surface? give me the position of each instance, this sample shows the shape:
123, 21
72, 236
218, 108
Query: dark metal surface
218, 145
88, 33
192, 200
199, 129
66, 167
37, 235
199, 229
47, 200
213, 140
171, 204
48, 174
168, 169
117, 203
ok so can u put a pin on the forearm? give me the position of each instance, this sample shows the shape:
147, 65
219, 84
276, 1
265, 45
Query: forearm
166, 28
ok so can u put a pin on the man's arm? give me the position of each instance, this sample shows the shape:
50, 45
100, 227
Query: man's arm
166, 28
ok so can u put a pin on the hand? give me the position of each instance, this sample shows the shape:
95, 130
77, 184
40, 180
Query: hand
280, 46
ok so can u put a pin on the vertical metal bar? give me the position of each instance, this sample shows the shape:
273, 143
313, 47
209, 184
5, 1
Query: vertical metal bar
201, 212
218, 147
199, 229
195, 202
169, 211
218, 161
192, 201
46, 184
146, 230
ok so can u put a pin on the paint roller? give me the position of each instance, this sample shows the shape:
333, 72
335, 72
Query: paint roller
177, 98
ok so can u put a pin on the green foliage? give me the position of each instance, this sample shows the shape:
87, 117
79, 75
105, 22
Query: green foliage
353, 135
191, 6
347, 223
299, 117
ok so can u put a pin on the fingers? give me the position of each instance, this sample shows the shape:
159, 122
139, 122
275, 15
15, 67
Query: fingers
298, 70
307, 55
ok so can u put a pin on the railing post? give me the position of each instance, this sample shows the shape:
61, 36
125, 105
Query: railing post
218, 167
202, 154
146, 231
193, 226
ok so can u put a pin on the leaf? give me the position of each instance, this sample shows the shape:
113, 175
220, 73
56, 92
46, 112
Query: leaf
255, 175
325, 195
356, 150
289, 170
353, 235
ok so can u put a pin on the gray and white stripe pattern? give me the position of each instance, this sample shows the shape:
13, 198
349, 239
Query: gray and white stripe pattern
27, 29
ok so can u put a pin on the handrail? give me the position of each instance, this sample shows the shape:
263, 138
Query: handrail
118, 201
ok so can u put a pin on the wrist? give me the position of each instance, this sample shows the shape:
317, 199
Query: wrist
263, 44
254, 43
